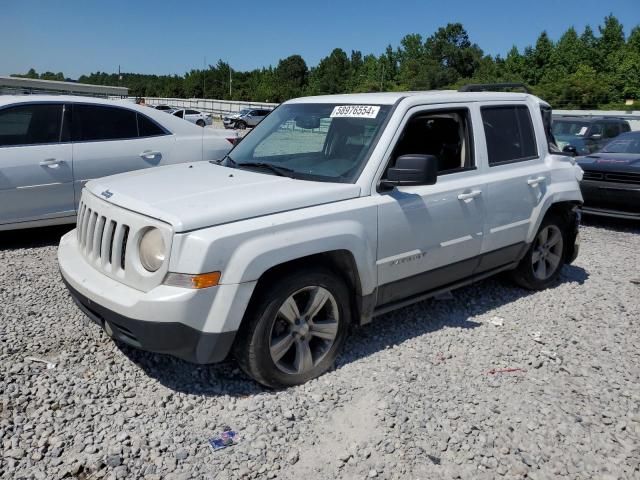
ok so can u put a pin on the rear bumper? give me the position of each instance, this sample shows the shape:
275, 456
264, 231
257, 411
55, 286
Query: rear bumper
172, 338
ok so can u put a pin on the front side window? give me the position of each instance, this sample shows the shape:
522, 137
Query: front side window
101, 122
445, 134
321, 142
192, 112
30, 124
509, 134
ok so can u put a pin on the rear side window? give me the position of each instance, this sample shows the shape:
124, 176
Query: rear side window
149, 128
509, 133
611, 130
98, 122
30, 124
624, 127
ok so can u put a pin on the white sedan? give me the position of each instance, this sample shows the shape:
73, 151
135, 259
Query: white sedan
194, 116
50, 146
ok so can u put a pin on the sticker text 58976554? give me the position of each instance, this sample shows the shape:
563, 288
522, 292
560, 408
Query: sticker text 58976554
355, 111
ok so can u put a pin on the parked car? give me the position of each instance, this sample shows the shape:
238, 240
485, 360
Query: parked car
247, 117
585, 135
51, 145
301, 232
194, 116
165, 108
611, 182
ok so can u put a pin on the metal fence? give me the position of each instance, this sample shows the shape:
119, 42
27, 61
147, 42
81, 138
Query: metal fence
216, 107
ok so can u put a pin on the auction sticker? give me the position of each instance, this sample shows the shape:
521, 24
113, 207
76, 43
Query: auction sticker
355, 111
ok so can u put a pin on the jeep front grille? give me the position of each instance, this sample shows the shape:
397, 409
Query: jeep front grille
101, 239
614, 177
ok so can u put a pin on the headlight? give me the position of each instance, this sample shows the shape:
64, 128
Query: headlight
152, 250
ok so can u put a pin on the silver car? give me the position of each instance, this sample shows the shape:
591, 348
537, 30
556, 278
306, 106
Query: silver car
249, 117
50, 146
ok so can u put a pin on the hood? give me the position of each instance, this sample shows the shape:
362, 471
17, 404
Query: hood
190, 196
611, 162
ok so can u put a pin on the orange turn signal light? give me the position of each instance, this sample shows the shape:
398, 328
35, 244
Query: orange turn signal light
196, 281
205, 280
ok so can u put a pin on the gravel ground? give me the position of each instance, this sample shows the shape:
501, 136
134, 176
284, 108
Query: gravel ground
494, 382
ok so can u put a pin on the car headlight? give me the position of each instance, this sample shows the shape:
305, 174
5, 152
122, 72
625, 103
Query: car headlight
152, 250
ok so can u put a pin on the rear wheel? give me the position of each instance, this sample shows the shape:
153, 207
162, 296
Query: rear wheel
295, 330
542, 264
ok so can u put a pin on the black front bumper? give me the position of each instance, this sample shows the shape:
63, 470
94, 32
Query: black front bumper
610, 199
172, 338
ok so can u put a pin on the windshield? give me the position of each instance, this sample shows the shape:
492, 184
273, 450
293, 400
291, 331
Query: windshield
564, 128
324, 142
623, 144
244, 112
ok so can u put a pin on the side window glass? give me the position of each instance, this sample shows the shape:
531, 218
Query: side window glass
179, 113
30, 124
509, 133
444, 134
611, 130
596, 129
149, 128
99, 122
191, 112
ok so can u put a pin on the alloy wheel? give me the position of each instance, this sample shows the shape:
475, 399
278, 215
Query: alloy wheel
547, 252
304, 330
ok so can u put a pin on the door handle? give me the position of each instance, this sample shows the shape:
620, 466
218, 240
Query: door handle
50, 162
535, 181
149, 154
469, 196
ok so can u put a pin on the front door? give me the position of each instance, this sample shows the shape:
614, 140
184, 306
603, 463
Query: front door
36, 179
430, 236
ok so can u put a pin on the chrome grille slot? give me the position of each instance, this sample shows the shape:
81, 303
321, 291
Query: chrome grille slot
125, 238
112, 234
97, 238
91, 228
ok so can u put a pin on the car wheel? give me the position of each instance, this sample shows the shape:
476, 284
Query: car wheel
295, 329
241, 125
200, 123
541, 266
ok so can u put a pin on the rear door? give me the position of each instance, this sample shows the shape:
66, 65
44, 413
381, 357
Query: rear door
36, 180
517, 177
109, 140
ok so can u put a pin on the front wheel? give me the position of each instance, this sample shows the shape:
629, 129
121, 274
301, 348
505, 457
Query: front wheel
200, 123
295, 329
241, 125
542, 264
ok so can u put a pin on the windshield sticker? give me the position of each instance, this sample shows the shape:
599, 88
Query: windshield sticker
582, 131
355, 111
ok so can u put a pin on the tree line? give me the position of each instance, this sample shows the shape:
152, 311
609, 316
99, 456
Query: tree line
580, 70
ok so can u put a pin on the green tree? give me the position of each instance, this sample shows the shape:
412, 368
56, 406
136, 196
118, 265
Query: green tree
292, 77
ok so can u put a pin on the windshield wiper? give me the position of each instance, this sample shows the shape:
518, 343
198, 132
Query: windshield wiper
281, 171
226, 157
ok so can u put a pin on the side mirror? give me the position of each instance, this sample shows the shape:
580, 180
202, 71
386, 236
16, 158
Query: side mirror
571, 150
412, 170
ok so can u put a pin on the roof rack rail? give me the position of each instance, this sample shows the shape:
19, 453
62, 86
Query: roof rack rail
492, 87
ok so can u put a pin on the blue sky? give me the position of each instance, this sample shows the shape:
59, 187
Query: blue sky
167, 37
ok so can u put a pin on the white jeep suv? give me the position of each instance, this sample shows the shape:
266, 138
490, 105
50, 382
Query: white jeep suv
333, 210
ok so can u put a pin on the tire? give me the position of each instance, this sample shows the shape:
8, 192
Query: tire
270, 346
200, 123
542, 264
241, 125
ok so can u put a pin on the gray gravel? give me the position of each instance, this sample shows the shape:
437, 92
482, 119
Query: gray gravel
493, 382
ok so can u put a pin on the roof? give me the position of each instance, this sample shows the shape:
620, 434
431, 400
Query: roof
585, 118
175, 124
430, 96
55, 85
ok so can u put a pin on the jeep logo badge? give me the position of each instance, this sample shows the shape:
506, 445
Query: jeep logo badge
107, 194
